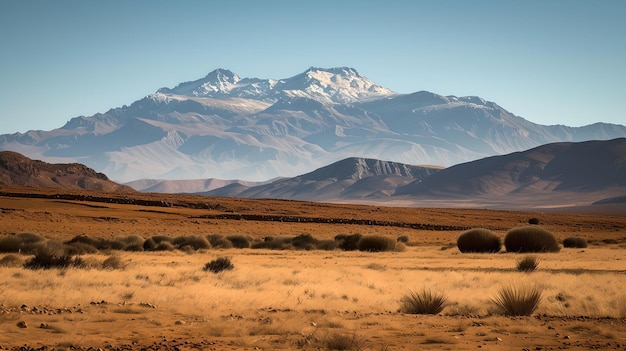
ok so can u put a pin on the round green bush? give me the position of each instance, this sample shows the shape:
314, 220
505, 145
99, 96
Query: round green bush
376, 243
479, 240
239, 241
530, 239
575, 242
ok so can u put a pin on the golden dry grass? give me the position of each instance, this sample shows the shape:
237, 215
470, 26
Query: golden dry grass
306, 299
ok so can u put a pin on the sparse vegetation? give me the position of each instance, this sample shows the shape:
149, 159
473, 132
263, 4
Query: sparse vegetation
48, 257
514, 301
239, 241
575, 242
479, 240
527, 264
348, 242
339, 341
11, 260
219, 264
530, 239
376, 243
26, 243
533, 221
423, 302
113, 262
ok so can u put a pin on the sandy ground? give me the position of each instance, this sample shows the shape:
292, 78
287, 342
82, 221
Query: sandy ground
310, 300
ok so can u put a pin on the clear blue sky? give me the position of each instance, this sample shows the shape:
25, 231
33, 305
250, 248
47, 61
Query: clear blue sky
551, 62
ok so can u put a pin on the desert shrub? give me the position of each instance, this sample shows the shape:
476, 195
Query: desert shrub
98, 243
512, 301
328, 245
273, 243
131, 242
161, 238
219, 241
403, 239
78, 248
194, 241
533, 221
479, 240
219, 264
48, 257
304, 242
11, 260
575, 242
530, 239
164, 246
348, 242
113, 262
527, 264
423, 302
338, 341
149, 245
10, 243
376, 243
239, 241
24, 242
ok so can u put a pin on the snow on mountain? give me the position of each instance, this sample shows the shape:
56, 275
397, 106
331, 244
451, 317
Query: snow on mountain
227, 127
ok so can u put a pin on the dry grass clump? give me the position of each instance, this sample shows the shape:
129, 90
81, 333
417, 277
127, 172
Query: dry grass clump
348, 242
48, 257
219, 264
479, 240
376, 243
24, 242
575, 242
423, 302
194, 242
239, 241
513, 301
219, 241
113, 262
527, 264
339, 341
530, 239
11, 260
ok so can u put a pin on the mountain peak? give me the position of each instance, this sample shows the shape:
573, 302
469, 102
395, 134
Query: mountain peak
332, 85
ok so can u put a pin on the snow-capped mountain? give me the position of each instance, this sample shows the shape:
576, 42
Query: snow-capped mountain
227, 127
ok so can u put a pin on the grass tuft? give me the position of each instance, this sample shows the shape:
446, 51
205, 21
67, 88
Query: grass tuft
423, 302
527, 264
219, 264
513, 301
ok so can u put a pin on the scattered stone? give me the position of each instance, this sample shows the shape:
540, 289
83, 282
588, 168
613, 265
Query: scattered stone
179, 322
43, 326
22, 324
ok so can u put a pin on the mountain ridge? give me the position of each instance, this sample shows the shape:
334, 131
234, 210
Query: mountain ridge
227, 127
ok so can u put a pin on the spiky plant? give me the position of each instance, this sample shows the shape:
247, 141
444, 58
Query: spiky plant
515, 301
423, 302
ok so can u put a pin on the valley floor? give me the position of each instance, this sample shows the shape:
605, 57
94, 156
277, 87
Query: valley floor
310, 300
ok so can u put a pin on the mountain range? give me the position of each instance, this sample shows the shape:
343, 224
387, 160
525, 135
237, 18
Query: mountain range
573, 176
227, 127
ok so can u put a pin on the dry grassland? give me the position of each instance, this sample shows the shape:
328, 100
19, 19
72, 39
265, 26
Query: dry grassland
310, 300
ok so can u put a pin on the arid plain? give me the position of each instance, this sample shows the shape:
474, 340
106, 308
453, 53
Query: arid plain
302, 299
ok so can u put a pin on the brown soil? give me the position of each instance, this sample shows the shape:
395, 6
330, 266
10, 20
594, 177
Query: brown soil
315, 300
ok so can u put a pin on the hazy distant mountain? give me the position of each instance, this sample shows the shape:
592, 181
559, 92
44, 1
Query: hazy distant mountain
352, 178
549, 176
226, 127
18, 170
185, 186
559, 168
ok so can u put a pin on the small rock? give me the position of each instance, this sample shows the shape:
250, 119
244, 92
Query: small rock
179, 322
566, 337
22, 324
43, 325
